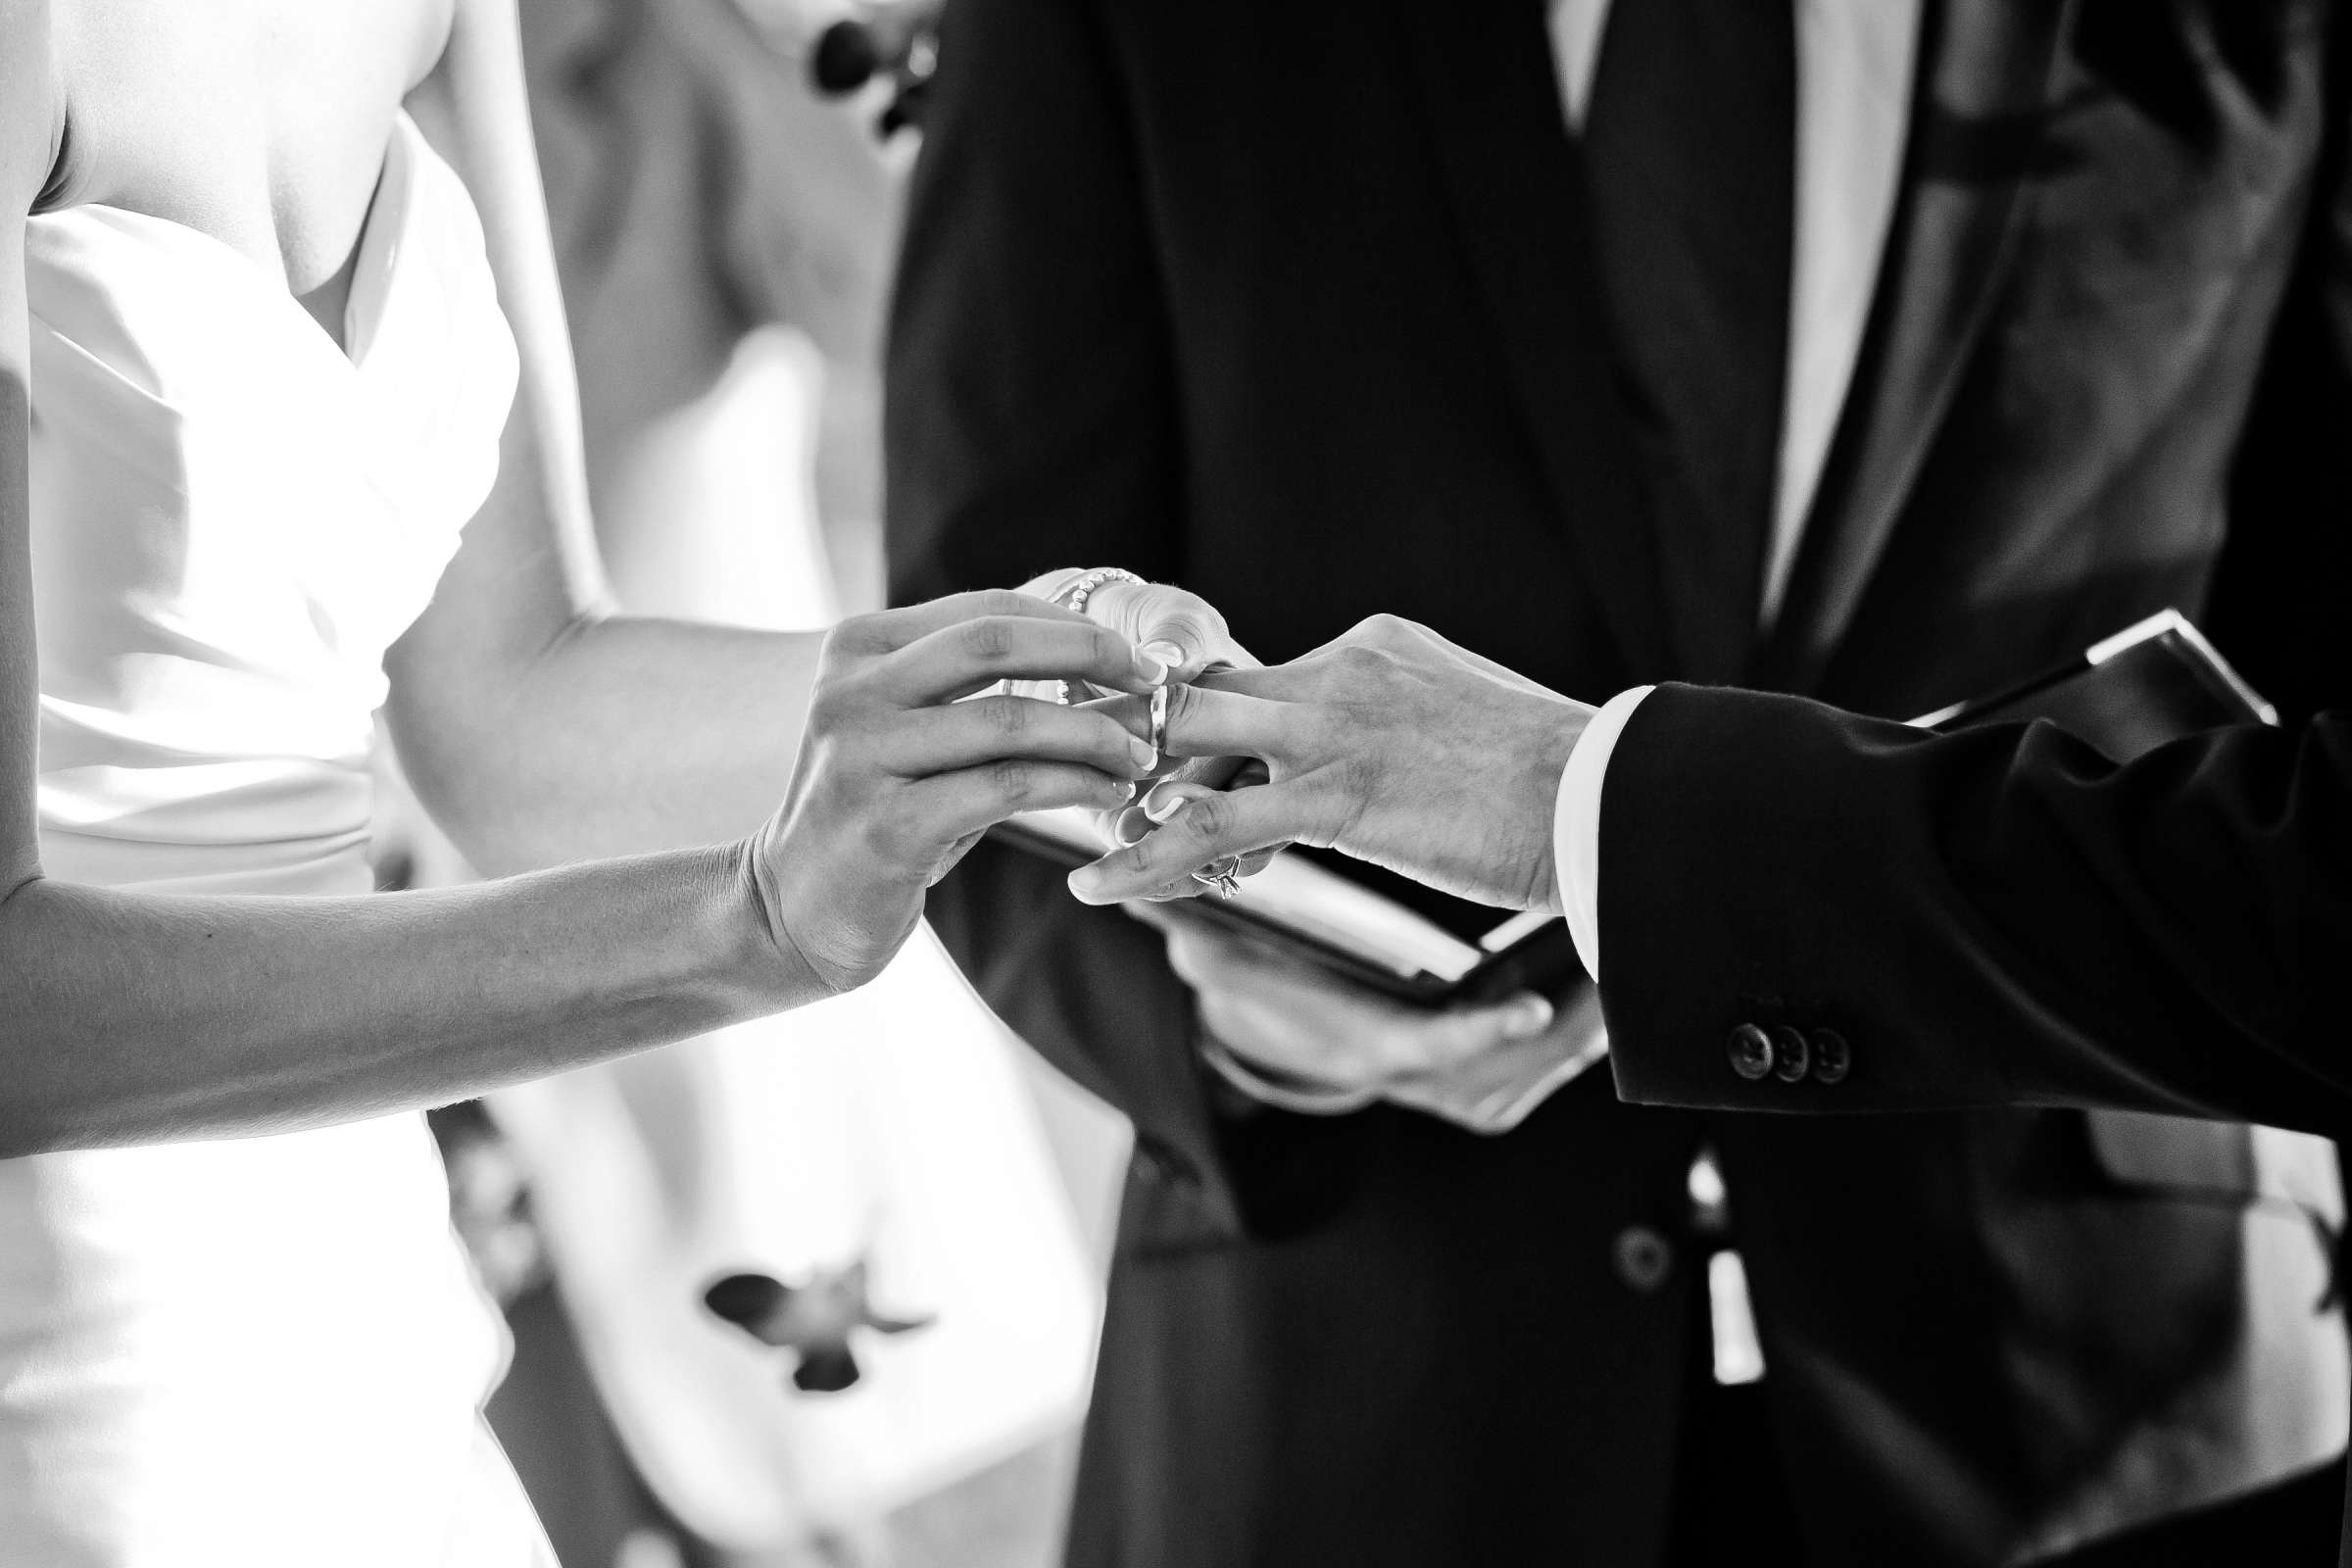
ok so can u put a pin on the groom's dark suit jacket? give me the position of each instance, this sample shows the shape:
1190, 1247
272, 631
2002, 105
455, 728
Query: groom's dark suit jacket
1999, 917
1293, 304
2166, 936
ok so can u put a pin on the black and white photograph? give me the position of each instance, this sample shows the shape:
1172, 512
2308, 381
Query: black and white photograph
1124, 784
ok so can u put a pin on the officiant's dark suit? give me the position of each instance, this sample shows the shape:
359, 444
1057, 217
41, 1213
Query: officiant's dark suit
1319, 309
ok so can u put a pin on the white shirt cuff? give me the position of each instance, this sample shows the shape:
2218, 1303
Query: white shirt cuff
1576, 823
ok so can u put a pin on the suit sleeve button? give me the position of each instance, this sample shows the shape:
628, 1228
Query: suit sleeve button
1644, 1258
1831, 1059
1790, 1056
1750, 1052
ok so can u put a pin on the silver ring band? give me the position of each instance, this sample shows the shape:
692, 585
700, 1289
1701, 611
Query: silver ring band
1223, 875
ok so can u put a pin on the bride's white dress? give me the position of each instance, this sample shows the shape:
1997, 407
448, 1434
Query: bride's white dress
261, 1352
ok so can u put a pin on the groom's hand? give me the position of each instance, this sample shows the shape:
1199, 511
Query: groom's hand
1390, 744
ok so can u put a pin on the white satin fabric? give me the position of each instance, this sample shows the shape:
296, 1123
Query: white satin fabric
263, 1351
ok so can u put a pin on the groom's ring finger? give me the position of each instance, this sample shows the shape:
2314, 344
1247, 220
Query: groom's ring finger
956, 735
1203, 722
971, 655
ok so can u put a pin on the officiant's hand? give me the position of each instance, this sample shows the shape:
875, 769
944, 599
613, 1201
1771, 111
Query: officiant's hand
1392, 745
895, 777
1294, 1038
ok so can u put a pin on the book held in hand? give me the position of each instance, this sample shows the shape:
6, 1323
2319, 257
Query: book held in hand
1309, 909
2155, 681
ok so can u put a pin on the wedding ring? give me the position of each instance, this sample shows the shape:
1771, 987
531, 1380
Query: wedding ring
1160, 719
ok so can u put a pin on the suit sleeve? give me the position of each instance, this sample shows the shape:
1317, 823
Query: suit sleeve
1029, 425
2001, 916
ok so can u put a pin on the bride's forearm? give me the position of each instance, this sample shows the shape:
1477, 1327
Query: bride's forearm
132, 1018
129, 1017
631, 735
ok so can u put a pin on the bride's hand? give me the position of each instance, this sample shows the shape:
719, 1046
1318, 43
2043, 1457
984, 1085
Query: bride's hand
1189, 634
895, 777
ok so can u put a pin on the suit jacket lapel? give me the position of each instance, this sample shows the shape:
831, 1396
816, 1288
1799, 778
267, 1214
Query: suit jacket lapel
1983, 79
1485, 77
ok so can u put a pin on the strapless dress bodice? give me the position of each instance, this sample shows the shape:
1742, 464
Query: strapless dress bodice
266, 1351
233, 520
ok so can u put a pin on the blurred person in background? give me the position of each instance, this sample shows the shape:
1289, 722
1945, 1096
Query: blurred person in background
1885, 352
723, 237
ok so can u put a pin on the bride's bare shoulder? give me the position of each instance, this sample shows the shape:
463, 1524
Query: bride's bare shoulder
32, 118
262, 122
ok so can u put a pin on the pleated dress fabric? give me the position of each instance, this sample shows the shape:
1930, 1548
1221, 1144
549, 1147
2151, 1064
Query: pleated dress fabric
266, 1351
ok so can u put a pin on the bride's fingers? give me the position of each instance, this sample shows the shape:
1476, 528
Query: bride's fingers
1206, 828
887, 630
1214, 773
1129, 824
951, 805
1163, 801
1132, 714
961, 735
971, 655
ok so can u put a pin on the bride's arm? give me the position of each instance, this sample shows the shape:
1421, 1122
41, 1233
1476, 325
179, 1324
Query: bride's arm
538, 726
28, 129
128, 1018
535, 723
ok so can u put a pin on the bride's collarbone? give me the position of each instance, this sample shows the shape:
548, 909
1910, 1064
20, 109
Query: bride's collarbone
262, 123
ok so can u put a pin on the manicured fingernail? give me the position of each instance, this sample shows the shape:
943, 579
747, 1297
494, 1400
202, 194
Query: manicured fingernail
1151, 665
1159, 805
1124, 789
1142, 829
1529, 1015
1167, 655
1141, 751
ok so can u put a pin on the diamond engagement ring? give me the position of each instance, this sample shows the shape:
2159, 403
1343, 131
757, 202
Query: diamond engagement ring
1223, 875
